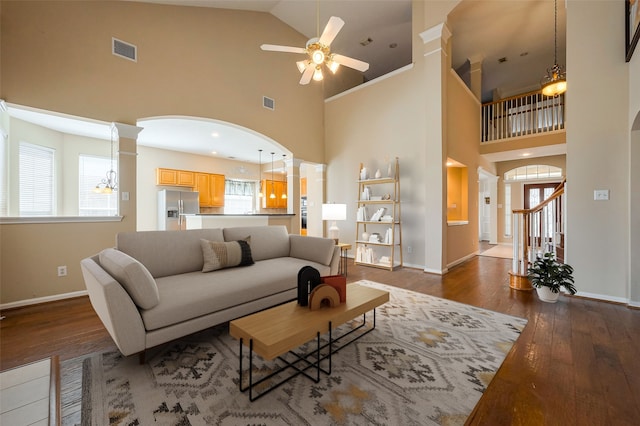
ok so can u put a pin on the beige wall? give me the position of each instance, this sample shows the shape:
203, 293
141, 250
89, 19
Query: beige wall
634, 190
192, 61
463, 145
598, 139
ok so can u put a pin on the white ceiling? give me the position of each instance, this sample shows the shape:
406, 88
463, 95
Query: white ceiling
485, 29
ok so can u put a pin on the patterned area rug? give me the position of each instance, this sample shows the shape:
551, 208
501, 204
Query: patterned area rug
427, 362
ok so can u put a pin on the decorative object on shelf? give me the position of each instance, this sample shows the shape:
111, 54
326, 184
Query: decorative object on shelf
632, 24
109, 184
379, 236
389, 170
308, 279
334, 212
554, 83
318, 51
363, 172
378, 174
549, 276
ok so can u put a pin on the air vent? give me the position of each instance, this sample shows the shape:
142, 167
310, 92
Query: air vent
268, 103
124, 50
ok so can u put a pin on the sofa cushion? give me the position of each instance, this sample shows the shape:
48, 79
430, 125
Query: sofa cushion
315, 249
166, 253
132, 275
267, 242
220, 255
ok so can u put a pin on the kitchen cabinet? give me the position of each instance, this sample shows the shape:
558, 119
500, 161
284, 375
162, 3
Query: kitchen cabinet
210, 186
278, 188
173, 177
303, 187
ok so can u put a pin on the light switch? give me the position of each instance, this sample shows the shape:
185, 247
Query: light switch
601, 194
125, 196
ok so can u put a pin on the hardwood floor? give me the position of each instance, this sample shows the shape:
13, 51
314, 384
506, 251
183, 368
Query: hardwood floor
576, 362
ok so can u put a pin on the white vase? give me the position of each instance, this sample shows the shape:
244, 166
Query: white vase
365, 236
546, 295
378, 174
363, 173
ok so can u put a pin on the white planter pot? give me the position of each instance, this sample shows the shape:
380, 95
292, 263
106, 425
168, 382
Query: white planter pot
546, 295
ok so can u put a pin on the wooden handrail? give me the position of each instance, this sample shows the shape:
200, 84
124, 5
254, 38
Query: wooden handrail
521, 95
556, 193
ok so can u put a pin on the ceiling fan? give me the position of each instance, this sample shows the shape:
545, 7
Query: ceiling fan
318, 50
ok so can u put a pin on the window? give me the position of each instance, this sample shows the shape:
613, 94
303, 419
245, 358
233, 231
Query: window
534, 171
37, 180
91, 170
507, 210
239, 196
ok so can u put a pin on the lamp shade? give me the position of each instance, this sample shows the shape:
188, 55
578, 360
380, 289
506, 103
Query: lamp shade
334, 212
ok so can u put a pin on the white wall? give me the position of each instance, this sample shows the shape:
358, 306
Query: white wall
597, 148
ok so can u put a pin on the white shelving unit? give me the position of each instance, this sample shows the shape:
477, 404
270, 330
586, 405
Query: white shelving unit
379, 215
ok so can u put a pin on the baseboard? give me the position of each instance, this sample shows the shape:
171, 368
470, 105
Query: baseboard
605, 298
436, 271
45, 299
461, 260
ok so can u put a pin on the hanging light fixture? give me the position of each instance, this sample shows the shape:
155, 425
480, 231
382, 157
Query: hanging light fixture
284, 170
554, 83
260, 193
273, 194
110, 183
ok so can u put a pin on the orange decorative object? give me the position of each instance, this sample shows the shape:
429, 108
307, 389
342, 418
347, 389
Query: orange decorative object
339, 282
323, 294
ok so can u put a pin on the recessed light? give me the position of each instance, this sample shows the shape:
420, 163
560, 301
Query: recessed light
503, 59
526, 154
214, 152
214, 134
393, 45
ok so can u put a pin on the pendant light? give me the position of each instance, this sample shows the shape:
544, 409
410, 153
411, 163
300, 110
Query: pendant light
273, 194
554, 83
109, 184
260, 193
284, 170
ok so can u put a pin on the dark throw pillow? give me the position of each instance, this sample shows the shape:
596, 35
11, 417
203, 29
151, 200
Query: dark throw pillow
219, 255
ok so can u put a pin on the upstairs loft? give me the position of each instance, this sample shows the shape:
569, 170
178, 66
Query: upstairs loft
527, 122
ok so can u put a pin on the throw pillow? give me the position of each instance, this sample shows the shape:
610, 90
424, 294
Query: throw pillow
219, 255
132, 275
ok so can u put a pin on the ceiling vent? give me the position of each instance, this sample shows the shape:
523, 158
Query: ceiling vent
124, 50
268, 103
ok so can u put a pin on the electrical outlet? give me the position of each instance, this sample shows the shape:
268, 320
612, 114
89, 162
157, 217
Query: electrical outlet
62, 271
409, 249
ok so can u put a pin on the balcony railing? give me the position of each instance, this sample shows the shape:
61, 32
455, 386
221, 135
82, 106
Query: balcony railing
522, 115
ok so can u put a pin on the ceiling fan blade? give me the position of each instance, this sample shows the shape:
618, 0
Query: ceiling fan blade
277, 48
307, 74
330, 32
351, 63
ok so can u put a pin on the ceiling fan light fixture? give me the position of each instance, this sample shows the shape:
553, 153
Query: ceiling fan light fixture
317, 56
302, 65
333, 66
317, 74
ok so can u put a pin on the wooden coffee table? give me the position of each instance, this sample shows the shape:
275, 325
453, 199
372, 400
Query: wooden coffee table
275, 332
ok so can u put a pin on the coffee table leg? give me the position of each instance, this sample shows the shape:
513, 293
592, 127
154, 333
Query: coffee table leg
240, 384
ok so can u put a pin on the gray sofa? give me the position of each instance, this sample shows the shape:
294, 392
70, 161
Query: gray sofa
150, 288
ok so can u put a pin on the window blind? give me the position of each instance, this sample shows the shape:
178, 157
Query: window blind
37, 180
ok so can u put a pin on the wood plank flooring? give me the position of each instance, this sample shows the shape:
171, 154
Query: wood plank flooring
576, 363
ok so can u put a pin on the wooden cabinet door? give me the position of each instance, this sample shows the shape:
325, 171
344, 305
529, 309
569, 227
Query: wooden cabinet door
203, 188
216, 184
303, 187
281, 189
186, 178
166, 177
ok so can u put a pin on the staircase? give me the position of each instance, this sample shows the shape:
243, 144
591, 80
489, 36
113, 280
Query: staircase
537, 231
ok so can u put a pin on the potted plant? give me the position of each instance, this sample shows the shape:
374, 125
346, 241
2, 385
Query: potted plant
548, 276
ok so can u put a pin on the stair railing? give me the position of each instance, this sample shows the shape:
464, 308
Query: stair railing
536, 231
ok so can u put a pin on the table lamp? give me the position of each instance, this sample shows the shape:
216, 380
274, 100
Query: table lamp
334, 212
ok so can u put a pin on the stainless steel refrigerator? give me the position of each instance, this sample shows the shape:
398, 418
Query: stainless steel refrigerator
173, 206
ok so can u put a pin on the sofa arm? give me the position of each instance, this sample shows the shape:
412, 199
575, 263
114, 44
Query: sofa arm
335, 260
114, 307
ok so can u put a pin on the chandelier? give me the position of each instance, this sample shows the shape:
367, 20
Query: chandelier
273, 193
109, 183
554, 83
284, 170
260, 193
